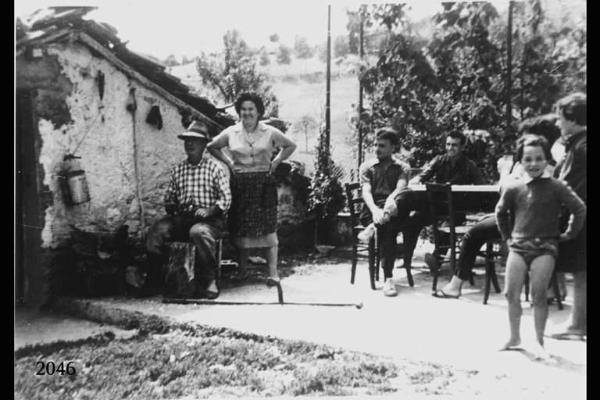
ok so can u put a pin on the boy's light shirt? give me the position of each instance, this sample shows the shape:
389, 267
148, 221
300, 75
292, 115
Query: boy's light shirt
527, 178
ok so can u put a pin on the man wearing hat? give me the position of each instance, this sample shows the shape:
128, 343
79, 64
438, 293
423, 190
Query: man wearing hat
196, 202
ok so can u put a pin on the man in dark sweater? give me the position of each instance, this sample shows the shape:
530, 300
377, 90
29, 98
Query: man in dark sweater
572, 255
452, 167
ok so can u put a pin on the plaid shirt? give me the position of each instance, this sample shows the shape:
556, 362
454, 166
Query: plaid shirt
198, 186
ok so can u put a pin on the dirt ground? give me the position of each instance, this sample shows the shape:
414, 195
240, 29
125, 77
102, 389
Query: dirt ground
409, 346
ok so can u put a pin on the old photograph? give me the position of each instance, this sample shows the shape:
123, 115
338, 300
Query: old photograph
300, 199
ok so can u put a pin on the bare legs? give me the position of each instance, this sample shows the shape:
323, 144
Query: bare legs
272, 255
541, 272
272, 262
477, 236
515, 276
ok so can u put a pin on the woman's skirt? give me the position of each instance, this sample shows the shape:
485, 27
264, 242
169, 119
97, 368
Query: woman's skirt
572, 254
253, 212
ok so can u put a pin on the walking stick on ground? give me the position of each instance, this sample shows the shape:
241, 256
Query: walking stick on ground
270, 283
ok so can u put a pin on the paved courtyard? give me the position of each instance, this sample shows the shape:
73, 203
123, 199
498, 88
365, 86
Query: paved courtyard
413, 326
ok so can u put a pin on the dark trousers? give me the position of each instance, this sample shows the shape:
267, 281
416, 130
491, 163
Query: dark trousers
203, 233
414, 215
480, 233
386, 235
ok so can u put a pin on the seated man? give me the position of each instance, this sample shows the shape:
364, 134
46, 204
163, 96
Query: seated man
486, 229
382, 179
196, 201
454, 168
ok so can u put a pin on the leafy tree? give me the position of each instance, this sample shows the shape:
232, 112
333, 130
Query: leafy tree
302, 48
376, 33
235, 71
305, 125
264, 57
326, 196
284, 55
274, 38
322, 52
549, 60
341, 48
456, 78
427, 89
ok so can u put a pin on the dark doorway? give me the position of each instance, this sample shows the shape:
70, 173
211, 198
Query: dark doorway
28, 219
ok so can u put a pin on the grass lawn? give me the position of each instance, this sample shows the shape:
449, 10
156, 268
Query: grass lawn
210, 364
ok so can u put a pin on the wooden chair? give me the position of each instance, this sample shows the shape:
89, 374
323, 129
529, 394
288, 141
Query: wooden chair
370, 249
490, 270
219, 254
184, 254
443, 215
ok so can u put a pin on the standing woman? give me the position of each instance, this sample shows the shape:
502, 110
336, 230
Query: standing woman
253, 213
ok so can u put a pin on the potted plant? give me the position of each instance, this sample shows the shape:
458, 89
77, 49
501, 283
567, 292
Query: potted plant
326, 197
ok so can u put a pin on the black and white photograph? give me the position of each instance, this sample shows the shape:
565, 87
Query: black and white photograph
300, 199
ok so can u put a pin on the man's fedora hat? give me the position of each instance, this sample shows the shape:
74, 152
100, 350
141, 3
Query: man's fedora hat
196, 130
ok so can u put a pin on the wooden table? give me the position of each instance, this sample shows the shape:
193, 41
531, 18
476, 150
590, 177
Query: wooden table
463, 188
469, 198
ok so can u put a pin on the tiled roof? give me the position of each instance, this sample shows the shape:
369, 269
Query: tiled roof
58, 23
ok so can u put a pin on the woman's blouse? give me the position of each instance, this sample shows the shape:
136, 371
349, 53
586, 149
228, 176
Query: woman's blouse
252, 152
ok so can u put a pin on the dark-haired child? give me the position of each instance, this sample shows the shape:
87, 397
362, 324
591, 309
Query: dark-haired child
528, 217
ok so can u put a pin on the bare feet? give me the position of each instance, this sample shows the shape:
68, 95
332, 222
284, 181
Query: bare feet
512, 344
539, 352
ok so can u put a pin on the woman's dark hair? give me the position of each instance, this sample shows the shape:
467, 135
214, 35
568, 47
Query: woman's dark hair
533, 141
573, 107
389, 134
457, 135
253, 97
543, 125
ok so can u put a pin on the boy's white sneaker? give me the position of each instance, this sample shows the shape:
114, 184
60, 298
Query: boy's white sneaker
389, 289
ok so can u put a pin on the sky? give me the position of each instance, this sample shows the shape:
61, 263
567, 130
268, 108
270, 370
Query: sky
188, 27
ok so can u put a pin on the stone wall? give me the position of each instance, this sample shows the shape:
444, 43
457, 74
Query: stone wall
73, 117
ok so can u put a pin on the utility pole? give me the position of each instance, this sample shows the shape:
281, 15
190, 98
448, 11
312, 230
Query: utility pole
328, 79
360, 89
509, 69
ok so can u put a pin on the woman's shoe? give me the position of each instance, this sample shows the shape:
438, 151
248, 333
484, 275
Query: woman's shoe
211, 295
273, 282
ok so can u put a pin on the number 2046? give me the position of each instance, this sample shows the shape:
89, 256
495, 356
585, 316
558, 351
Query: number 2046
50, 368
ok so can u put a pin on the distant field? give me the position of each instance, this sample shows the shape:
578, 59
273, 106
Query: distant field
302, 98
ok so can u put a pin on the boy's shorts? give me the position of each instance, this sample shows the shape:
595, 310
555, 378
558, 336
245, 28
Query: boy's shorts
530, 249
